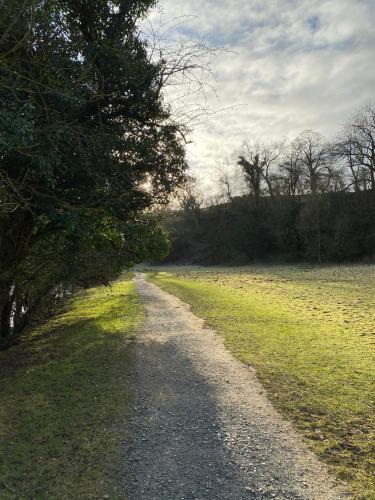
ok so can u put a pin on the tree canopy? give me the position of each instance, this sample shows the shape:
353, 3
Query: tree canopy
87, 146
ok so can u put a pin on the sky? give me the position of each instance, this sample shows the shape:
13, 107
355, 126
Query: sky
288, 65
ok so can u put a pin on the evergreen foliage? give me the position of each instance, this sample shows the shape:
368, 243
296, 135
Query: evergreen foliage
87, 145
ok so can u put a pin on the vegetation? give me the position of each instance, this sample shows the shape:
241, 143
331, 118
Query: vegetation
309, 164
336, 227
63, 396
309, 332
89, 148
87, 145
303, 200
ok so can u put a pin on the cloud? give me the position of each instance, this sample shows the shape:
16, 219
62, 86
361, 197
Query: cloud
292, 65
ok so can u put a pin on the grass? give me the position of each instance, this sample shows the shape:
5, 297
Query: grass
310, 334
63, 390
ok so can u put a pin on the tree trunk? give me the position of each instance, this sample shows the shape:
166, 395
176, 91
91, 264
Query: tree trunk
372, 175
7, 297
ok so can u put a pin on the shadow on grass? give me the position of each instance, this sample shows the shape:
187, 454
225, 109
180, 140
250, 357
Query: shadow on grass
61, 393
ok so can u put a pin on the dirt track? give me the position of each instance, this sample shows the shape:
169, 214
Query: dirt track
202, 426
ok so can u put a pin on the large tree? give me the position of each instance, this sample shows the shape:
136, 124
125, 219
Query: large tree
315, 158
86, 144
259, 162
357, 148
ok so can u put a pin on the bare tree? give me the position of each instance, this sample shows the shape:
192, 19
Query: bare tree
259, 163
225, 181
191, 199
357, 148
186, 75
316, 161
291, 170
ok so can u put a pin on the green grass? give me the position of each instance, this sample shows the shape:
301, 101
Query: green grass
310, 334
63, 392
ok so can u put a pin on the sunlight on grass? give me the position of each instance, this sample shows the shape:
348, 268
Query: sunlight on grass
62, 392
310, 333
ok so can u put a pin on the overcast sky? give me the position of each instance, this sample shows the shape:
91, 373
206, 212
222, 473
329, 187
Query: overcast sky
292, 65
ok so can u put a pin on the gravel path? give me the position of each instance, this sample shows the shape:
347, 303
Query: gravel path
202, 426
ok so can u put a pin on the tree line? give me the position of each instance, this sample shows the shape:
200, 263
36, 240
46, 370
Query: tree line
303, 199
88, 145
309, 164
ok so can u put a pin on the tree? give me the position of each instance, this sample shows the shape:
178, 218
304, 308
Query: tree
315, 158
258, 161
225, 184
190, 199
86, 143
357, 148
292, 170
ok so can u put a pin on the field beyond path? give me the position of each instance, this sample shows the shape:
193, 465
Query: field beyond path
202, 426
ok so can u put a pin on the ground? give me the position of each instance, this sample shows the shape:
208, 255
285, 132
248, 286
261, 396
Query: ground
309, 333
64, 393
102, 403
202, 426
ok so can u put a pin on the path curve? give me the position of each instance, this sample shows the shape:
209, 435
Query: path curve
202, 427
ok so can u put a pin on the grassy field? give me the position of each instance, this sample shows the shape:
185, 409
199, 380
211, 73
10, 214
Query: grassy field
310, 334
62, 391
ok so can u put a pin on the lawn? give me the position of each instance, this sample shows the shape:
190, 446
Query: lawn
310, 334
63, 393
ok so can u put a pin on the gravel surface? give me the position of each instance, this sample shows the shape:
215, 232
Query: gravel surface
202, 427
